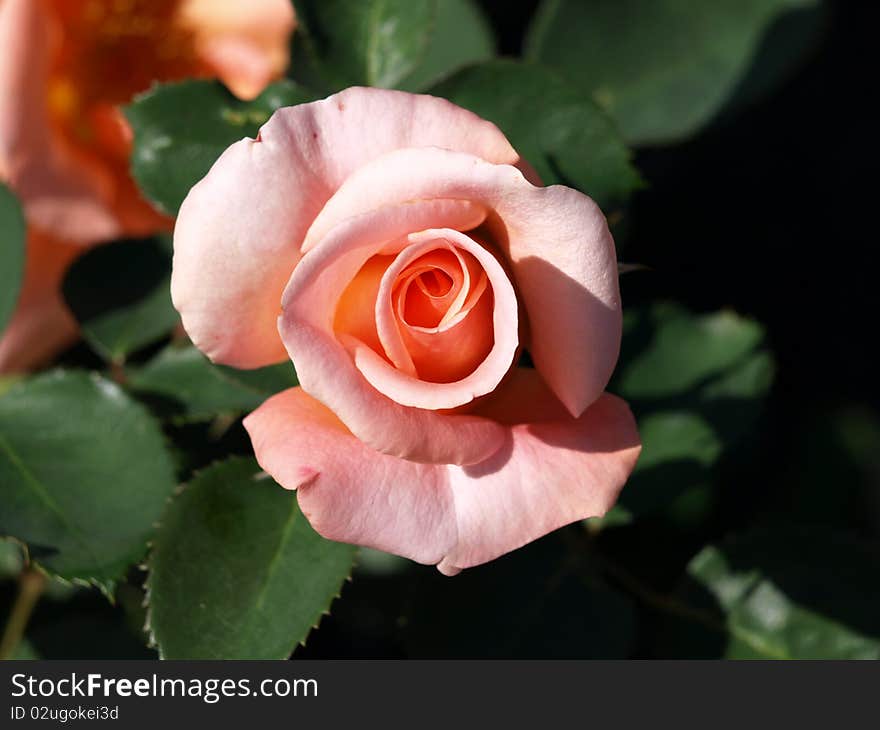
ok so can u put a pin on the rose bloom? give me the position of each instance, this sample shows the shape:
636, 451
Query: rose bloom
396, 248
65, 69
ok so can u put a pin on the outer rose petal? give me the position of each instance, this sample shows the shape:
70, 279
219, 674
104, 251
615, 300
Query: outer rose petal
346, 489
556, 240
59, 195
549, 474
240, 229
41, 325
245, 41
76, 195
555, 470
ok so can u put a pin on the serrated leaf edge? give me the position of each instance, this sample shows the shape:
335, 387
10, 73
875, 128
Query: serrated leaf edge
153, 640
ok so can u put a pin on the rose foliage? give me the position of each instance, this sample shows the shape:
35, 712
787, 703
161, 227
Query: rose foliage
297, 299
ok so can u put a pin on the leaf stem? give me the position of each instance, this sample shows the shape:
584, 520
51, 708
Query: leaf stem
31, 584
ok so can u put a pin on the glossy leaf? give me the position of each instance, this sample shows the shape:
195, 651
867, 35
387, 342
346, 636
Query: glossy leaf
664, 68
367, 43
563, 134
460, 36
12, 242
7, 381
237, 572
781, 594
697, 384
181, 129
84, 474
685, 351
195, 389
120, 294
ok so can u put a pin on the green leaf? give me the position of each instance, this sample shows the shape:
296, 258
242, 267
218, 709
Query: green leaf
366, 43
198, 390
7, 381
664, 68
12, 243
563, 134
684, 351
461, 36
676, 435
120, 294
181, 129
781, 594
84, 475
237, 572
697, 384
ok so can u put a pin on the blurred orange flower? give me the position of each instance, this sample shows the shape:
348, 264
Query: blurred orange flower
66, 67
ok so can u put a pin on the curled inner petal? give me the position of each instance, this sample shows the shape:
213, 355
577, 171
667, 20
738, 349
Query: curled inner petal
555, 239
445, 320
236, 245
425, 293
427, 316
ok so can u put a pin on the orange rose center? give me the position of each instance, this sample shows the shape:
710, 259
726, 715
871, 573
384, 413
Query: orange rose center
441, 304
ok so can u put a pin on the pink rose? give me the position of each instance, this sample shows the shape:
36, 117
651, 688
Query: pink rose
65, 68
393, 246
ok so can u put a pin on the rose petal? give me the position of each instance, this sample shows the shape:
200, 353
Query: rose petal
326, 370
554, 470
300, 442
430, 333
355, 310
556, 240
458, 348
41, 325
548, 474
245, 41
240, 64
240, 230
456, 351
59, 194
409, 390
